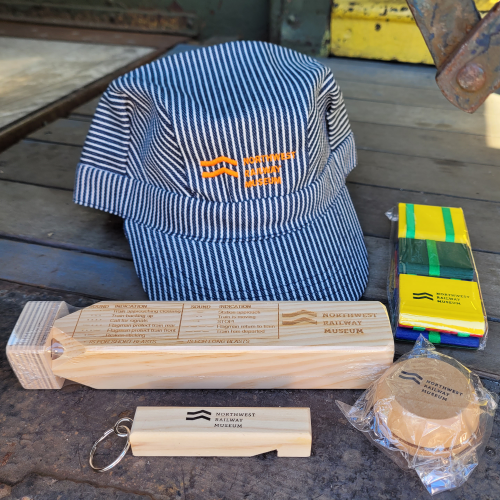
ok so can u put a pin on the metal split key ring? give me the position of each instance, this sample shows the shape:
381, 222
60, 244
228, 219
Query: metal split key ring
116, 429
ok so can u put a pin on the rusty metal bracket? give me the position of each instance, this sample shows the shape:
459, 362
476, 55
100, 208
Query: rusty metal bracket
465, 48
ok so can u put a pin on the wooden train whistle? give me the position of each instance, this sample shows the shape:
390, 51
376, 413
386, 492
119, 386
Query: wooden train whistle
202, 345
211, 432
221, 432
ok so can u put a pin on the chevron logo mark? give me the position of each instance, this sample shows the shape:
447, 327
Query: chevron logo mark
198, 415
221, 170
297, 313
303, 317
415, 377
423, 295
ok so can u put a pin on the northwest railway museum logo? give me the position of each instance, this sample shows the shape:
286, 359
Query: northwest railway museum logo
303, 317
423, 295
226, 419
197, 415
414, 377
258, 171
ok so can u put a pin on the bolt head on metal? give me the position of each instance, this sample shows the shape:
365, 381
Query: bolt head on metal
471, 77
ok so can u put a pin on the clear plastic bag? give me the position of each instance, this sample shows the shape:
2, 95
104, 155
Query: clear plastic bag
428, 413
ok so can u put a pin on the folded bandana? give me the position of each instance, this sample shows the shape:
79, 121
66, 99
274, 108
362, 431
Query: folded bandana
432, 223
448, 339
228, 164
439, 304
435, 258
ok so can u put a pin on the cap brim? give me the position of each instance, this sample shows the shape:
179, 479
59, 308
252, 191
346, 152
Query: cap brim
324, 260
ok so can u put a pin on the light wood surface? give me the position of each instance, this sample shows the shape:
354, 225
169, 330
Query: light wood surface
220, 432
217, 345
29, 346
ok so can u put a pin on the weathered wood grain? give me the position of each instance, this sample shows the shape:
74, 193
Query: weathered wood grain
378, 262
401, 75
51, 165
115, 279
60, 269
393, 94
448, 148
63, 131
424, 143
355, 89
49, 216
391, 170
88, 35
88, 109
448, 177
112, 278
38, 72
450, 120
488, 270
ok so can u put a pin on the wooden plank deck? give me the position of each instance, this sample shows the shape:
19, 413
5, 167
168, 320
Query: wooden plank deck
413, 146
412, 165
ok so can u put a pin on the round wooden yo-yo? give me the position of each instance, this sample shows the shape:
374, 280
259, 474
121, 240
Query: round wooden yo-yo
427, 407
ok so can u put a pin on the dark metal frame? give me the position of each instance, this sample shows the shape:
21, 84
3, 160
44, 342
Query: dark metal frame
465, 48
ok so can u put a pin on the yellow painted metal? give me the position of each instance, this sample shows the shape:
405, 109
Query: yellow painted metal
485, 5
380, 29
377, 30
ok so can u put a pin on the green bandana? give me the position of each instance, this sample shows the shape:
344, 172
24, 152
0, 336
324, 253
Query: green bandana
435, 258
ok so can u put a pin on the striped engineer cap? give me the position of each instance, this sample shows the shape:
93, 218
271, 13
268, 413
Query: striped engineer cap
228, 164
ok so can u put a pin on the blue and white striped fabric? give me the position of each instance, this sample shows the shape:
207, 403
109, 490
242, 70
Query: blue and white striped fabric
228, 164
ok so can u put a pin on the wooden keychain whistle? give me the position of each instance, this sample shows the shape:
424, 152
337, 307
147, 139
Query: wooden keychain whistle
173, 431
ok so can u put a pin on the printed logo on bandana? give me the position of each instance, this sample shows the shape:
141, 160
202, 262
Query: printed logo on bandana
221, 170
423, 295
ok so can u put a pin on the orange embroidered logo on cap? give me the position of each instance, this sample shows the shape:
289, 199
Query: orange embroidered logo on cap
219, 171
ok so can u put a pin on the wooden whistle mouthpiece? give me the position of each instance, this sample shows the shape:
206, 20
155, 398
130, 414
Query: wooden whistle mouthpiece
202, 345
220, 432
29, 349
